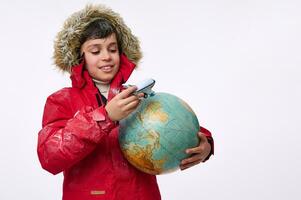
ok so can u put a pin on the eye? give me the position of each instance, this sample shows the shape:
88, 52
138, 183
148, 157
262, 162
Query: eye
95, 52
113, 50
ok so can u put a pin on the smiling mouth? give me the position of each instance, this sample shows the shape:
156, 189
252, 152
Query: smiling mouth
107, 68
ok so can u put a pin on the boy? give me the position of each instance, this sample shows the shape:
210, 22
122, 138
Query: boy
80, 123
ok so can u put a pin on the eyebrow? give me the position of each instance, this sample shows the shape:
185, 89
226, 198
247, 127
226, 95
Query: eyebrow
99, 45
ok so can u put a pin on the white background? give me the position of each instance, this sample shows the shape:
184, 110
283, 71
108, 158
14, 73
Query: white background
236, 62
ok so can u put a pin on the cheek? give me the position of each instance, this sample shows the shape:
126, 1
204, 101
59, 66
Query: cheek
90, 65
89, 69
117, 60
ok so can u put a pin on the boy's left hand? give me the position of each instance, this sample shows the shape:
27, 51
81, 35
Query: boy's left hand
198, 154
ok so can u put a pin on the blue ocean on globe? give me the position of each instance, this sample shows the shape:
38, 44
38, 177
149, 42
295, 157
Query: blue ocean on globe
155, 136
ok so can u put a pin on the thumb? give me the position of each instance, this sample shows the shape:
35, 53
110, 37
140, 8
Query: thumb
202, 137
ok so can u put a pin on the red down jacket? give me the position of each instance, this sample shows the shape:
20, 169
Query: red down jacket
79, 139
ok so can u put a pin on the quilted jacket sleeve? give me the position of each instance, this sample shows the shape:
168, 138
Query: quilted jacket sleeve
207, 133
65, 139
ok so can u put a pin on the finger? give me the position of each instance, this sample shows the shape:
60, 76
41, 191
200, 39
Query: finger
131, 106
192, 159
128, 112
196, 150
200, 148
204, 150
183, 167
140, 95
129, 100
127, 92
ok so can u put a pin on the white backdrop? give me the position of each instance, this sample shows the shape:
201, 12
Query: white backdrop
237, 63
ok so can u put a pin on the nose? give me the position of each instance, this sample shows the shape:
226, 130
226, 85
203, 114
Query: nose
106, 55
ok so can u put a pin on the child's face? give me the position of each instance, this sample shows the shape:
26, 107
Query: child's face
102, 57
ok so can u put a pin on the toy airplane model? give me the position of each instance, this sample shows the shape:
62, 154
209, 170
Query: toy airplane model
145, 87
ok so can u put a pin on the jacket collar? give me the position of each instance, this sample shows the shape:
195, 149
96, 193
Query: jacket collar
81, 78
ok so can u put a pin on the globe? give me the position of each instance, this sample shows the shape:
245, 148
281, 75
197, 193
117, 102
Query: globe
155, 136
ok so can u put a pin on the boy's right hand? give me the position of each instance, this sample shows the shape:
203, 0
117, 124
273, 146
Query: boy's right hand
123, 104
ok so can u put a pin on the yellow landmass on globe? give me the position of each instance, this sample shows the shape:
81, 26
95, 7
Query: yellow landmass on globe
153, 138
153, 112
142, 157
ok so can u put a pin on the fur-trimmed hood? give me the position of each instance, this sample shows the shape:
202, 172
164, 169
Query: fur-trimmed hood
67, 42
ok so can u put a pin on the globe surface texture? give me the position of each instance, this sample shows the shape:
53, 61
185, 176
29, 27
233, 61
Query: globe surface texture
155, 136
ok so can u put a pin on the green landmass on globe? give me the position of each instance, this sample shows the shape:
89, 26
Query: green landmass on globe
155, 136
